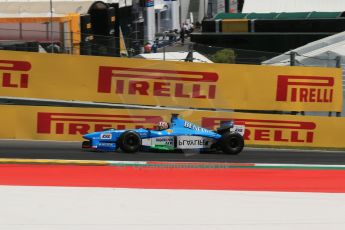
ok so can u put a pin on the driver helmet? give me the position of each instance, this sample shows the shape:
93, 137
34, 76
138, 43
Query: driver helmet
162, 125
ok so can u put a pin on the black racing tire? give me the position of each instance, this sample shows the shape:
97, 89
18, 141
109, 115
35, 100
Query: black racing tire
231, 143
129, 142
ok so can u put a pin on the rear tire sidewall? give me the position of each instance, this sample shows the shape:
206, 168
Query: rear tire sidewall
232, 143
129, 142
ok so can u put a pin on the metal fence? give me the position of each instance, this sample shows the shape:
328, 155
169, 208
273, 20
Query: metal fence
99, 45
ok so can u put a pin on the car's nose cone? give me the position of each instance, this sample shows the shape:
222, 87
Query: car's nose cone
88, 136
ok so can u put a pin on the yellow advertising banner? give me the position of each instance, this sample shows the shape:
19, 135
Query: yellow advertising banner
178, 84
69, 124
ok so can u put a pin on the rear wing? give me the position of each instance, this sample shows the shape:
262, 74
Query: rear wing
233, 126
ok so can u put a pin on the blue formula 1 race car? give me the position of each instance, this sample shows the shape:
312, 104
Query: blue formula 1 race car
178, 135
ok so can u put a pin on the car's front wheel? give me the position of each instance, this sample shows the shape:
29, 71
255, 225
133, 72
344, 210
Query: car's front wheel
129, 142
232, 143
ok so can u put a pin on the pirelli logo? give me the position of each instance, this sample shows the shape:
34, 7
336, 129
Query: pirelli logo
14, 74
270, 130
79, 124
158, 83
305, 89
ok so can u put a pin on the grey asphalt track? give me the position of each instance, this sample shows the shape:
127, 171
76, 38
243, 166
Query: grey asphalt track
72, 150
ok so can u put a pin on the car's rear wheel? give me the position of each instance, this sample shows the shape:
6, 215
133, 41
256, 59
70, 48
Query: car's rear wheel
129, 142
232, 143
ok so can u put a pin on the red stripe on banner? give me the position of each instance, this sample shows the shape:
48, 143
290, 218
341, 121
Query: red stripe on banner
292, 180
